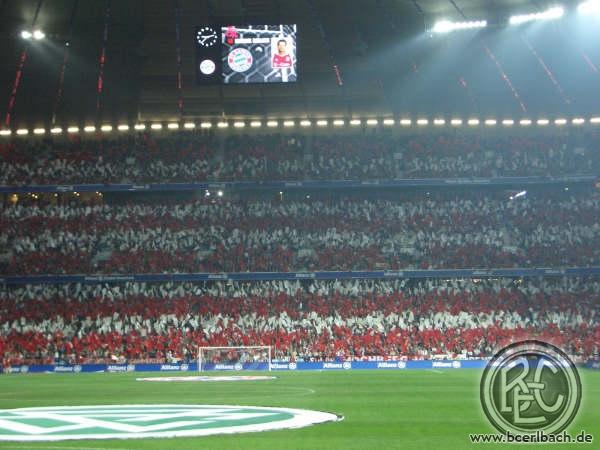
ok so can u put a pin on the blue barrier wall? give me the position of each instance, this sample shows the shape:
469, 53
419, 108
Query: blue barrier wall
310, 184
321, 275
593, 365
276, 366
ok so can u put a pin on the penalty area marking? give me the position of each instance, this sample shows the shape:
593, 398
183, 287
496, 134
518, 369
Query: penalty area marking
61, 423
205, 378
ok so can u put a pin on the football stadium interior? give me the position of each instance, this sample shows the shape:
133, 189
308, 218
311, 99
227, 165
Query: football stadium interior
304, 224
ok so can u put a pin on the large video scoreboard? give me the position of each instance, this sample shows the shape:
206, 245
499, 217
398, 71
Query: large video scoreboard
229, 54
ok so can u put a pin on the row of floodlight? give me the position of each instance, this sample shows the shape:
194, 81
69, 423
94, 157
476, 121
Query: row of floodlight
589, 7
304, 123
38, 35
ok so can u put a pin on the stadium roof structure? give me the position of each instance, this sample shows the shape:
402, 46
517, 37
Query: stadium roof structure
388, 61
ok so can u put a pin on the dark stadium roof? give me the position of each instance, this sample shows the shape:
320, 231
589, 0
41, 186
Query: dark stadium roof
388, 63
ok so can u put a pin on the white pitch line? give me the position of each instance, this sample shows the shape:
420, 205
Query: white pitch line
436, 371
301, 391
57, 447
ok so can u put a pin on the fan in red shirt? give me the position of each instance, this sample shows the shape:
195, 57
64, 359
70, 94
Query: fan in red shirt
281, 59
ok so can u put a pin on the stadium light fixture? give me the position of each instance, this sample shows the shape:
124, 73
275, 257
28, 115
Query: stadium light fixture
22, 132
473, 122
222, 125
578, 121
5, 132
140, 126
38, 35
305, 123
256, 124
439, 122
389, 122
508, 122
288, 123
405, 122
220, 193
543, 122
355, 122
272, 123
205, 125
446, 26
372, 122
422, 122
173, 126
123, 127
39, 131
555, 12
73, 130
595, 120
156, 126
322, 123
189, 125
560, 122
456, 122
26, 34
525, 122
490, 122
89, 129
338, 123
106, 128
590, 7
239, 124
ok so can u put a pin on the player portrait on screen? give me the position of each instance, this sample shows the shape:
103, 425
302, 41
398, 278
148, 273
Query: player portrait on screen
281, 53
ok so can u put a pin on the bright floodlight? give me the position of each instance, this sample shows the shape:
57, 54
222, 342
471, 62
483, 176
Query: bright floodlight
550, 14
589, 7
38, 35
445, 26
26, 34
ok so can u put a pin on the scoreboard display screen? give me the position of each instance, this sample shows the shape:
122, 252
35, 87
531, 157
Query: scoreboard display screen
230, 54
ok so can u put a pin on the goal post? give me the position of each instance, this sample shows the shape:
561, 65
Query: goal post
243, 357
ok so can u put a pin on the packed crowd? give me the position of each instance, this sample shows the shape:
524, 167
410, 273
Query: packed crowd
309, 320
342, 233
191, 157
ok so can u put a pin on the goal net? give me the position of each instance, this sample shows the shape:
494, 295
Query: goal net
234, 358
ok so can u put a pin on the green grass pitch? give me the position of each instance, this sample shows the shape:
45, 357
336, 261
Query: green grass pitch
406, 410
